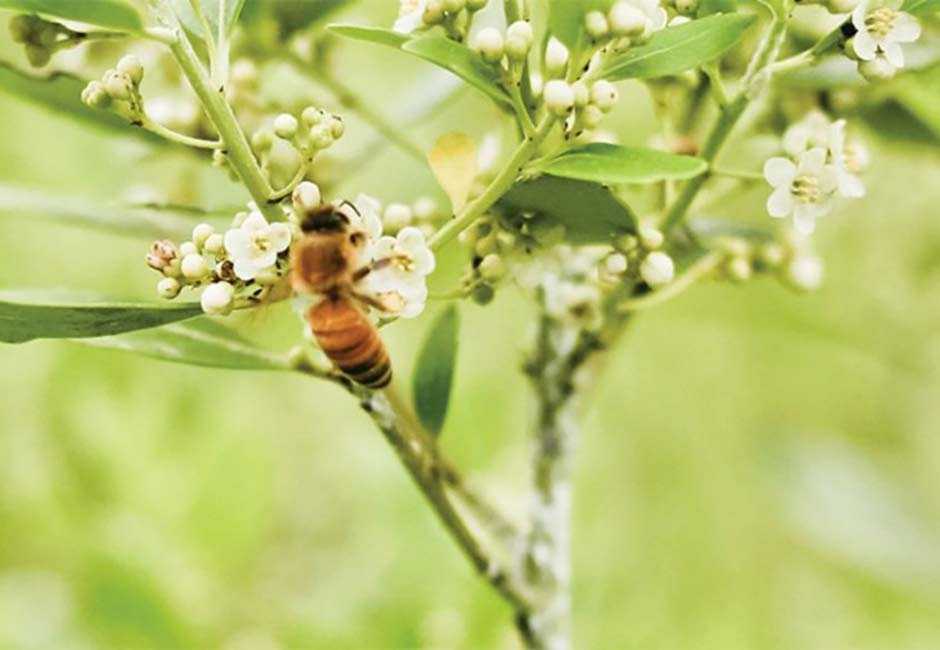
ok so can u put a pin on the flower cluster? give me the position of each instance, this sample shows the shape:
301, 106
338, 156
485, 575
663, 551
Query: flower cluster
820, 165
454, 15
41, 38
118, 89
882, 28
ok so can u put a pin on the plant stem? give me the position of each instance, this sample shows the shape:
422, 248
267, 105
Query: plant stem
808, 57
237, 148
154, 127
499, 185
299, 175
766, 53
700, 269
739, 174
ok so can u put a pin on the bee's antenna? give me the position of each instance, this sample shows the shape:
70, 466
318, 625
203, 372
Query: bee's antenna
345, 202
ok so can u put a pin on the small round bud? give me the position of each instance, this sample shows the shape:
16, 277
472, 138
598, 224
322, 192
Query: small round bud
218, 159
486, 245
591, 116
215, 244
686, 7
615, 263
321, 136
516, 49
556, 57
771, 255
396, 216
626, 20
131, 66
476, 5
161, 255
805, 272
306, 197
194, 266
285, 126
739, 269
492, 267
626, 243
650, 238
218, 298
262, 140
558, 97
312, 116
37, 55
168, 288
337, 128
424, 208
489, 43
595, 24
604, 95
433, 12
95, 95
482, 294
878, 69
581, 94
522, 30
735, 246
201, 233
454, 6
118, 85
657, 269
188, 248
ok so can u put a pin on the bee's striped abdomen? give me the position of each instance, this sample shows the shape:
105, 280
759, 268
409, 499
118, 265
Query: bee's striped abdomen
351, 342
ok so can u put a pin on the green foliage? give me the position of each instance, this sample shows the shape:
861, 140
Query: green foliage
709, 7
440, 51
434, 372
28, 315
119, 15
589, 212
921, 7
212, 10
198, 342
677, 49
612, 164
566, 18
60, 92
150, 222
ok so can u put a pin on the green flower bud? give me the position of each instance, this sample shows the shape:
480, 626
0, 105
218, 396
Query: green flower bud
651, 238
488, 42
118, 85
194, 267
131, 66
581, 94
262, 140
321, 136
482, 294
433, 13
312, 116
285, 126
476, 5
168, 288
201, 233
337, 128
454, 6
492, 268
604, 95
215, 244
739, 269
595, 24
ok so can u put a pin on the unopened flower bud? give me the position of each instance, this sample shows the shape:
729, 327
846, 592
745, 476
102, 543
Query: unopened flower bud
735, 246
424, 208
201, 233
118, 85
878, 69
218, 298
396, 216
433, 12
131, 66
558, 96
595, 24
805, 272
489, 43
686, 7
454, 6
482, 294
771, 255
194, 266
604, 95
615, 263
312, 116
215, 243
841, 6
556, 57
168, 288
95, 96
262, 140
650, 238
486, 245
337, 128
626, 20
188, 248
626, 243
306, 198
519, 37
739, 269
581, 94
657, 269
321, 137
162, 253
492, 267
285, 126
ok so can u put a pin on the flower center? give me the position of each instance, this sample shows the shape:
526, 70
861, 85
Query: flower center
806, 189
880, 21
259, 239
404, 262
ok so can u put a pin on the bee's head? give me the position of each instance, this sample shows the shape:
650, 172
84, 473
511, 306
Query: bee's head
328, 218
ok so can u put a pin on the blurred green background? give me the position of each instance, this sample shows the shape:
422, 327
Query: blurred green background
759, 469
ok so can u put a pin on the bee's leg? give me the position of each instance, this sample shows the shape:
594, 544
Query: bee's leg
377, 265
386, 303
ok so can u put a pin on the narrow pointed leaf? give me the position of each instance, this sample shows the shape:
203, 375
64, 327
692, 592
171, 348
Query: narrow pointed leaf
212, 10
434, 372
26, 315
119, 15
613, 164
460, 60
589, 212
371, 35
149, 222
677, 49
198, 342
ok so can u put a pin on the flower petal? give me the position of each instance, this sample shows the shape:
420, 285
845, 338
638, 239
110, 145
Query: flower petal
424, 261
812, 162
780, 203
779, 172
279, 236
864, 45
894, 54
851, 186
245, 269
237, 243
906, 28
254, 221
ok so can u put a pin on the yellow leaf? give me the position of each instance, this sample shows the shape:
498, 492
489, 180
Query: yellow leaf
453, 159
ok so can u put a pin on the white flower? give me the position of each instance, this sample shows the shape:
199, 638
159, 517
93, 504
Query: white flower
814, 130
410, 15
804, 190
402, 264
881, 30
254, 245
850, 186
218, 298
367, 216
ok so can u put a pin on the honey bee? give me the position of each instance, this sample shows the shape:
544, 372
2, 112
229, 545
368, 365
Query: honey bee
325, 261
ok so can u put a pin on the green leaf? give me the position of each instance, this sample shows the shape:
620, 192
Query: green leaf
440, 51
676, 49
460, 60
921, 7
211, 10
60, 92
291, 16
613, 164
198, 342
434, 372
149, 222
589, 212
709, 7
27, 315
119, 15
371, 35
